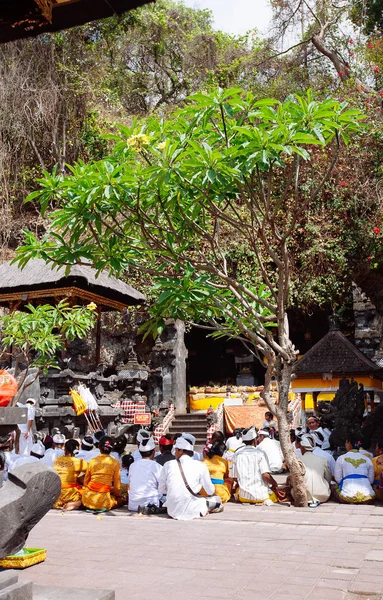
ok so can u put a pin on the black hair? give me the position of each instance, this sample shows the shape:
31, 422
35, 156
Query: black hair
358, 440
238, 432
189, 453
2, 461
120, 443
379, 443
269, 414
217, 449
293, 437
168, 447
248, 442
176, 436
70, 446
146, 454
218, 436
98, 437
89, 440
106, 444
127, 460
48, 442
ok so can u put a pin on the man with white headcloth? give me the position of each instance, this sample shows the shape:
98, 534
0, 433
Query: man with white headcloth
58, 450
143, 480
190, 438
142, 435
252, 472
25, 441
317, 472
182, 479
272, 449
318, 450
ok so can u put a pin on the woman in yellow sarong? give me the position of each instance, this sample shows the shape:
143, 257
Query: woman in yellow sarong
378, 470
70, 469
102, 480
218, 469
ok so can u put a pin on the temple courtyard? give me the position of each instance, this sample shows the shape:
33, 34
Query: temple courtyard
333, 552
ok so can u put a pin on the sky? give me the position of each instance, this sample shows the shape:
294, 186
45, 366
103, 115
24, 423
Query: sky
237, 16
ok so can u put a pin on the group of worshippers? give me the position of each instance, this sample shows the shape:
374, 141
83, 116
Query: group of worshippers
354, 477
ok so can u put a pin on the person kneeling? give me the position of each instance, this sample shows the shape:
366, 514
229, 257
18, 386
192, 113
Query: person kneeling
70, 470
143, 479
102, 480
252, 472
181, 481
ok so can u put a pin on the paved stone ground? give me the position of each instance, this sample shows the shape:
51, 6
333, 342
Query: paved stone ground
334, 552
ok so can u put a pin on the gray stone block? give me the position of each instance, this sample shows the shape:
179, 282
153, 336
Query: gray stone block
31, 490
42, 592
8, 578
9, 417
18, 591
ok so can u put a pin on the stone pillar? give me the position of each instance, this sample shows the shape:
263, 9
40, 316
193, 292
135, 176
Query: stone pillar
179, 372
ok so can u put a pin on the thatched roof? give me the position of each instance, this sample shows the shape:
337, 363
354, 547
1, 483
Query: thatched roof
334, 353
40, 280
26, 18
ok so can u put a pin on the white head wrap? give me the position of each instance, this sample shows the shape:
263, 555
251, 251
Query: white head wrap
31, 400
249, 435
264, 433
307, 442
183, 444
146, 445
59, 438
189, 437
38, 449
142, 435
86, 444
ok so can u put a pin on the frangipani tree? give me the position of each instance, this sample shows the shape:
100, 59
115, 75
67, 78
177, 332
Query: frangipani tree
175, 195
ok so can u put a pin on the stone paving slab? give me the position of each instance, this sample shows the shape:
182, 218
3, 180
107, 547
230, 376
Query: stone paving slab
334, 552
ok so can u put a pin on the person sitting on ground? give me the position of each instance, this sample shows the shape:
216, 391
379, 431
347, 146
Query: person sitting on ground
37, 453
143, 480
354, 473
217, 436
272, 450
317, 472
57, 450
71, 471
378, 470
318, 451
192, 440
252, 472
182, 479
313, 424
119, 447
86, 447
269, 421
97, 436
166, 446
102, 480
126, 461
142, 435
218, 469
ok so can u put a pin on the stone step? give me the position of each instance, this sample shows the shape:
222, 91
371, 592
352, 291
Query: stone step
20, 590
188, 426
196, 416
42, 592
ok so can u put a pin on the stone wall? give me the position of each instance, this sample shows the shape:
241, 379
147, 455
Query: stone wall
368, 325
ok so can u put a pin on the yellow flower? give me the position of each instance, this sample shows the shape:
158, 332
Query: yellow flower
161, 146
138, 140
92, 306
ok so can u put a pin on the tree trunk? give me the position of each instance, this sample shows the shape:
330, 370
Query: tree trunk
283, 372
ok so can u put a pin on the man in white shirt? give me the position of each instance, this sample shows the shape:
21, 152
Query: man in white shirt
143, 479
252, 472
52, 453
25, 442
7, 446
85, 448
317, 475
37, 452
318, 450
182, 479
272, 449
142, 435
192, 440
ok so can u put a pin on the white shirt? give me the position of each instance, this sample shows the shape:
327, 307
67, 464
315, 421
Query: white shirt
272, 449
50, 456
324, 454
318, 477
84, 454
249, 464
143, 481
24, 460
233, 443
355, 463
269, 424
124, 476
10, 460
180, 503
92, 454
137, 455
30, 417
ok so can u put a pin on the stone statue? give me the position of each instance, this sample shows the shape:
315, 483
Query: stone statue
31, 490
348, 409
